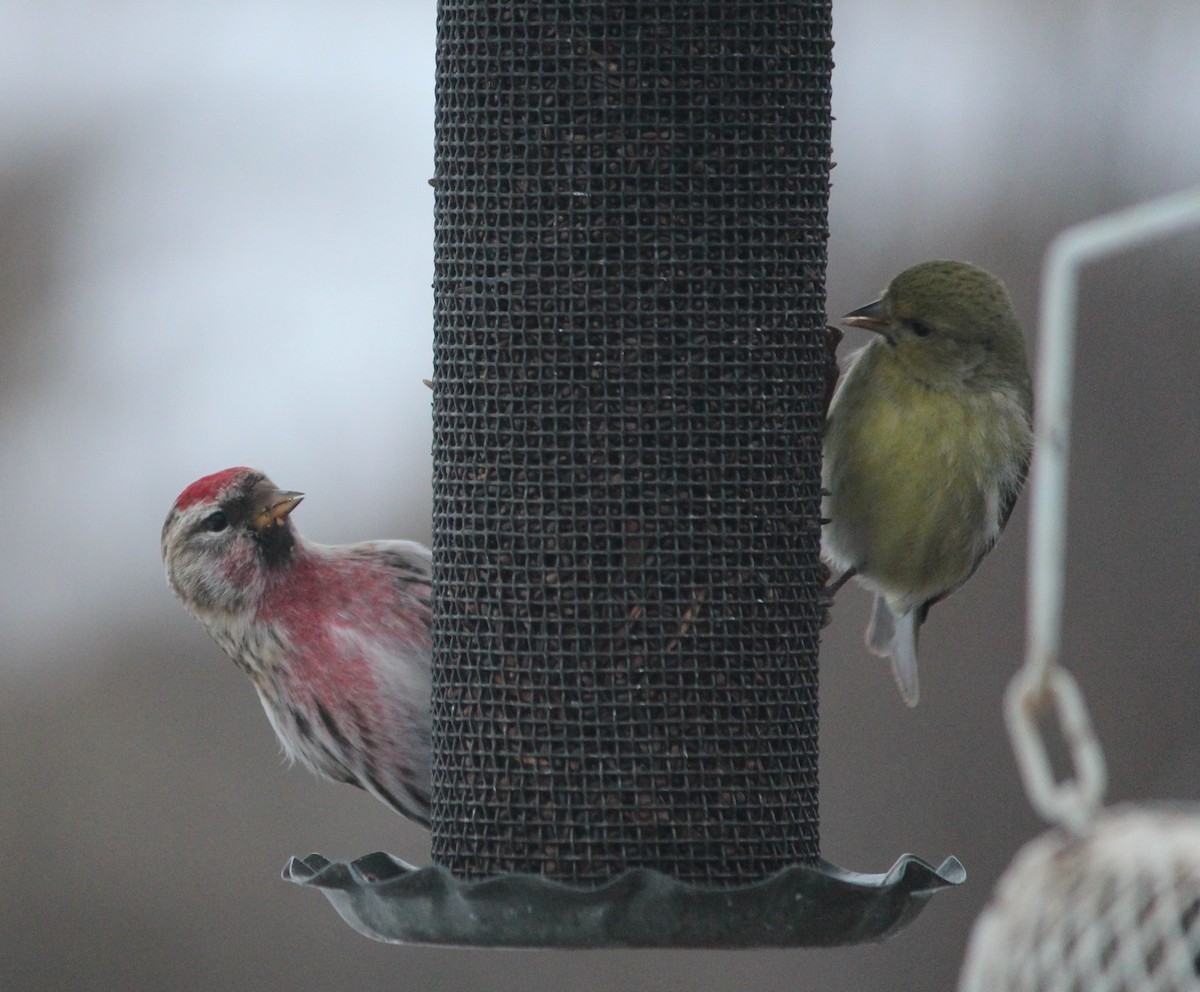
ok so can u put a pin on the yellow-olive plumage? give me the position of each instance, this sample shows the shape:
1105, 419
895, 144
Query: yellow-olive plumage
926, 447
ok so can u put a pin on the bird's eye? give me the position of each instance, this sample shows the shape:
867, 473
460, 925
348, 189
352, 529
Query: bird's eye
920, 328
216, 521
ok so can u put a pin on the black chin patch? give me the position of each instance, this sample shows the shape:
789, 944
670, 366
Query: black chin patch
275, 544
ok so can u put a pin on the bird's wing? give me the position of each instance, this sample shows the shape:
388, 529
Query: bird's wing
408, 558
1008, 500
412, 566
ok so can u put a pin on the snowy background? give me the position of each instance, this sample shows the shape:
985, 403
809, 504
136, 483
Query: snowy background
216, 249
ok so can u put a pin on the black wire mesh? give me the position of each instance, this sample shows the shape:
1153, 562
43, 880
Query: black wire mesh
629, 378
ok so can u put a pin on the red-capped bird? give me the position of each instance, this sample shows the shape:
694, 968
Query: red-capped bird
335, 638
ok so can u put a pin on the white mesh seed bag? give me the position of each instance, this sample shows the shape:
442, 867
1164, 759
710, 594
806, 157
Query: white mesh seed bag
1117, 911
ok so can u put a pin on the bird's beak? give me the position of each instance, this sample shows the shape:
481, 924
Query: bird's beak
279, 505
872, 317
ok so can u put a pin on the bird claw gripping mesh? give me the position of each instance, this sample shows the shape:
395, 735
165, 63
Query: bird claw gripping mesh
1116, 910
821, 905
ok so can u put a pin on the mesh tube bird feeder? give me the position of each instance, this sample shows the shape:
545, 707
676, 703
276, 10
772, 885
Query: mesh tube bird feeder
630, 364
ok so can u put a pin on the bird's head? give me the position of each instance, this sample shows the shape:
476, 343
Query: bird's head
223, 536
949, 323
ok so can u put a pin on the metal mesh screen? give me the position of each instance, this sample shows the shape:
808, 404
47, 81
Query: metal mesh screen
629, 378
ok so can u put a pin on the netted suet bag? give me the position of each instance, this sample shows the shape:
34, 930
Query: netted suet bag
1110, 900
1115, 911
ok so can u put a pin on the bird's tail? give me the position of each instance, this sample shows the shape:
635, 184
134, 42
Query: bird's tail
895, 637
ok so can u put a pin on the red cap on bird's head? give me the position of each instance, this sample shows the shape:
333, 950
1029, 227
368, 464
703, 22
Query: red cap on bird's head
211, 486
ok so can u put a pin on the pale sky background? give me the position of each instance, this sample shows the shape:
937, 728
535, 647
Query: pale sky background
216, 249
233, 245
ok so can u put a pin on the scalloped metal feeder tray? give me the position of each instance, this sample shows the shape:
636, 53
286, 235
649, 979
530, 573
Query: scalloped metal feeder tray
819, 906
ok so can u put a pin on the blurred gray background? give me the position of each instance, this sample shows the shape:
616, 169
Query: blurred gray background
215, 249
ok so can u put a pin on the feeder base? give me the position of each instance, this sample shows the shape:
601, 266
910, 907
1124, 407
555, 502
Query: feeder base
803, 906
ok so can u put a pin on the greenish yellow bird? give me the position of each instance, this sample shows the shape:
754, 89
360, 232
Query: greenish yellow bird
927, 444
